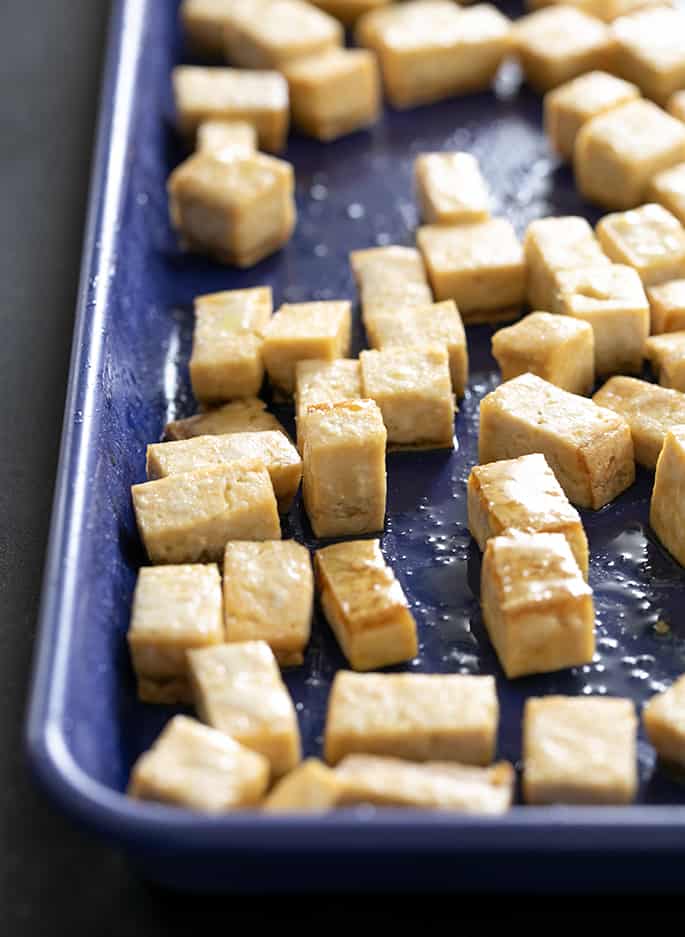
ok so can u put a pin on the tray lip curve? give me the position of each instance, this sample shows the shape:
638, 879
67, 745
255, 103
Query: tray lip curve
657, 829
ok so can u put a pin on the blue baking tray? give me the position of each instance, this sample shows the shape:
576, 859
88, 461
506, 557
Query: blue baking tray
129, 376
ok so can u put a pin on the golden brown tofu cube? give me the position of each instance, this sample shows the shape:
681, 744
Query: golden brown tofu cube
318, 381
204, 22
667, 305
554, 244
667, 188
269, 596
432, 49
676, 105
667, 356
666, 513
649, 49
537, 607
612, 300
260, 98
174, 608
480, 266
189, 518
523, 494
311, 787
194, 766
413, 389
664, 720
240, 416
589, 448
570, 106
650, 411
238, 210
559, 349
420, 717
344, 482
390, 281
579, 750
618, 152
305, 330
226, 138
239, 691
365, 605
349, 11
335, 92
450, 188
649, 238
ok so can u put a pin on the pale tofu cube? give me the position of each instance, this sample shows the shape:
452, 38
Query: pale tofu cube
523, 494
589, 448
667, 305
420, 717
189, 518
667, 508
559, 349
239, 691
174, 608
260, 98
335, 92
667, 356
649, 49
557, 44
300, 331
240, 416
271, 449
420, 326
204, 22
349, 11
606, 10
650, 411
537, 607
269, 596
579, 750
311, 787
390, 281
649, 238
618, 152
237, 210
664, 720
194, 766
570, 106
480, 266
344, 482
413, 389
365, 606
612, 300
676, 105
554, 244
318, 381
432, 49
450, 188
391, 782
226, 138
667, 188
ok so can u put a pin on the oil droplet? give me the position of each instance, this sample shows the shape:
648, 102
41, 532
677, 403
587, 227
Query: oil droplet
321, 250
355, 211
318, 192
662, 628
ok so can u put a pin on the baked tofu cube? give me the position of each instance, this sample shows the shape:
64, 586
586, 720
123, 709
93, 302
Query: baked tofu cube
667, 356
612, 300
318, 381
344, 482
226, 138
311, 787
559, 43
570, 106
432, 49
676, 105
305, 330
260, 98
269, 596
589, 448
664, 720
239, 691
617, 153
537, 607
391, 782
523, 494
650, 411
349, 11
194, 766
667, 305
413, 389
271, 449
174, 608
556, 348
420, 717
226, 360
649, 50
579, 750
204, 22
649, 239
450, 188
335, 92
365, 605
419, 326
667, 188
554, 244
667, 511
480, 266
390, 281
238, 210
240, 416
189, 518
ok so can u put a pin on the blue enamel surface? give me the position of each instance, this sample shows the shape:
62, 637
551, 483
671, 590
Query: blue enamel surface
129, 376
